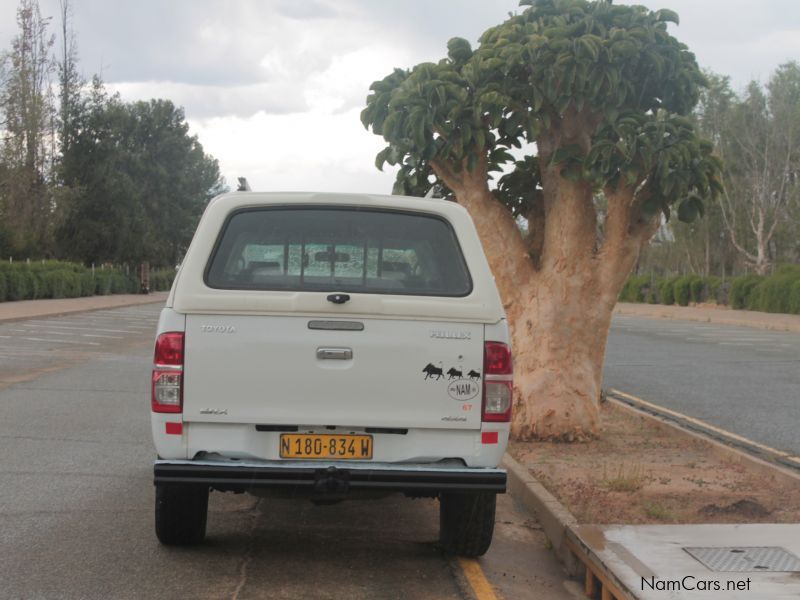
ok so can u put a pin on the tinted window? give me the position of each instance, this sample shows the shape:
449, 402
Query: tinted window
324, 249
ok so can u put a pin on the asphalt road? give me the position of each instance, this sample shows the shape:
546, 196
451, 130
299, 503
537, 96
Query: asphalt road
76, 498
741, 379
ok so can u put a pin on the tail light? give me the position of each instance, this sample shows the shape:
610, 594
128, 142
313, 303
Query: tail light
497, 382
167, 389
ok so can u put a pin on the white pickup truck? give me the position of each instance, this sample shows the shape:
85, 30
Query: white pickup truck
336, 346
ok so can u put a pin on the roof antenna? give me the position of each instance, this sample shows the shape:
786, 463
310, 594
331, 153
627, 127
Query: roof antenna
243, 185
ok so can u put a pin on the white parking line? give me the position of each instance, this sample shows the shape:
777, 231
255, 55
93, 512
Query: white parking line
98, 335
32, 339
84, 328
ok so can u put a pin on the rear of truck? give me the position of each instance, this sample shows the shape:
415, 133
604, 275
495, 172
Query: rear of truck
332, 345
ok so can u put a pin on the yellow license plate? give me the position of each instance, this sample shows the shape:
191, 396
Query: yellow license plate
300, 445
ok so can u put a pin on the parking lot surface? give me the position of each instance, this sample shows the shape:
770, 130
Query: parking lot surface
76, 498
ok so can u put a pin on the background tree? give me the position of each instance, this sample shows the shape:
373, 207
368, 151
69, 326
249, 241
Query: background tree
70, 81
27, 130
761, 147
599, 94
141, 182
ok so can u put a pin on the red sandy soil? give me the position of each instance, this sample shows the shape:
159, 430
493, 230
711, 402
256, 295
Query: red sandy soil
642, 471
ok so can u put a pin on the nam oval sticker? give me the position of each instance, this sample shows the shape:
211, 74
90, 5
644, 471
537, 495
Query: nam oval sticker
463, 389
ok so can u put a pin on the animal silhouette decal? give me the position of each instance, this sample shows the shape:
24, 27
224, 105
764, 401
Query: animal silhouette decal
432, 370
453, 373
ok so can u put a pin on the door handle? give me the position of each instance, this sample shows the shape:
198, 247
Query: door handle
334, 353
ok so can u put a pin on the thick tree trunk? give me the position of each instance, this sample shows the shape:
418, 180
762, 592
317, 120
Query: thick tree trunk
560, 312
559, 345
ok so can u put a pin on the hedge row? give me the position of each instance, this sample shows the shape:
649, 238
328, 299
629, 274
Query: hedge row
56, 279
161, 280
777, 293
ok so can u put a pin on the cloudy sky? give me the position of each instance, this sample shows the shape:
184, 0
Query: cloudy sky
273, 88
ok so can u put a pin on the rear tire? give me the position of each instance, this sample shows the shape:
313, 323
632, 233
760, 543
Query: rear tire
181, 512
466, 523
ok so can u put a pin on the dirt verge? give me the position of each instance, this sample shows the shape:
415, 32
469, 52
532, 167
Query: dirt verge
640, 471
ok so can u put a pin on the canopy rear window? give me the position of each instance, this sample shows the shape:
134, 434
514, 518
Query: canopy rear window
343, 249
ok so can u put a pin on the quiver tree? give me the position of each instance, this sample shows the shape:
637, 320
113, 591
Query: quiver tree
596, 98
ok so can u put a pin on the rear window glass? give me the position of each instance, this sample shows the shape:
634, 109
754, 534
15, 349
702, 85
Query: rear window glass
322, 249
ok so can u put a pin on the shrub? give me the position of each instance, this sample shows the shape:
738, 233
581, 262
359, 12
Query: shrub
123, 284
162, 279
712, 288
3, 288
742, 290
87, 283
697, 288
681, 289
794, 298
723, 294
32, 285
63, 284
102, 283
16, 285
773, 293
632, 290
667, 290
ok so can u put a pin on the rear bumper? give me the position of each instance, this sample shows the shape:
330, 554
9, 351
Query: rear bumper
329, 477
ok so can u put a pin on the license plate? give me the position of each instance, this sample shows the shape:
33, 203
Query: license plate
295, 445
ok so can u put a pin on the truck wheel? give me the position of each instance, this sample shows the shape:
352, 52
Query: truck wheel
181, 512
466, 523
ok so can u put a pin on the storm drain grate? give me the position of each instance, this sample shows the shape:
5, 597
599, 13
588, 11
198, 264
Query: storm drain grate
741, 559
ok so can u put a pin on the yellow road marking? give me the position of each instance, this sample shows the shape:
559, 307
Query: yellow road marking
477, 579
723, 432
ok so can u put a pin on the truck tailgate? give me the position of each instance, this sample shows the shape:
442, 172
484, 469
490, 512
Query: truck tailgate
303, 370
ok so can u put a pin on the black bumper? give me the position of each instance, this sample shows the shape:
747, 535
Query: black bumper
323, 478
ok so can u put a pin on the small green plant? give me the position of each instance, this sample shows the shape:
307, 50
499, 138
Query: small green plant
658, 511
623, 479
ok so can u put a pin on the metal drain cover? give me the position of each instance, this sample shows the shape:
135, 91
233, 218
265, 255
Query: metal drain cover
741, 559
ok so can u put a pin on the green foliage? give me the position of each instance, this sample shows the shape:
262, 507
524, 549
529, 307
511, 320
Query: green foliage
61, 284
611, 72
794, 298
139, 182
778, 293
634, 289
681, 290
161, 280
742, 289
697, 288
667, 290
775, 293
59, 279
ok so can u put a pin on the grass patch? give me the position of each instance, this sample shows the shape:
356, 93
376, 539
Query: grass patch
624, 479
656, 510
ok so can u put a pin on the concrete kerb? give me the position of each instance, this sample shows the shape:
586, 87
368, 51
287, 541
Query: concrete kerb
718, 316
554, 517
559, 524
36, 309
